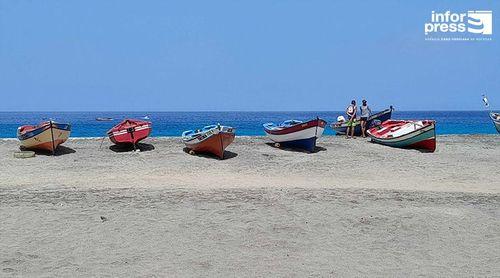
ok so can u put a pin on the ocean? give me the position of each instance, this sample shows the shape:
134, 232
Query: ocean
84, 124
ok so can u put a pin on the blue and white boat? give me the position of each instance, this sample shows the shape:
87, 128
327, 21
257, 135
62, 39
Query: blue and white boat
296, 134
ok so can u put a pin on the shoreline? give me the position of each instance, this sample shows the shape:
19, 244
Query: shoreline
460, 164
259, 136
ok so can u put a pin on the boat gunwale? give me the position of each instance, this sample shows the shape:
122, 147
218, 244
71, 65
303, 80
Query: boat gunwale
318, 122
39, 129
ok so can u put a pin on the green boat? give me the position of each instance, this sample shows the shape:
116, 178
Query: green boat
406, 134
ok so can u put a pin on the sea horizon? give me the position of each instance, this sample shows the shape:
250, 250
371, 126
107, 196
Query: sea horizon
221, 111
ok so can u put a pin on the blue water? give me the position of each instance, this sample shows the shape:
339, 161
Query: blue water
246, 123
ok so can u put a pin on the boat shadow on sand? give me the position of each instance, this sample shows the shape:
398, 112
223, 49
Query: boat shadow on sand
143, 147
61, 150
227, 154
316, 149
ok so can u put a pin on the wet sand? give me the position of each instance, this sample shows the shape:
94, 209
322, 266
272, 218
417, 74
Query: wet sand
351, 209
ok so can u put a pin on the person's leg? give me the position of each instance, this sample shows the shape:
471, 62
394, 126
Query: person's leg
363, 128
352, 129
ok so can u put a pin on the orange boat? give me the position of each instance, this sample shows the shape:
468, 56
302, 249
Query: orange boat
45, 136
212, 139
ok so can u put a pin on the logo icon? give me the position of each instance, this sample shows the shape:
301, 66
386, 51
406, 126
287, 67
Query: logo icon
480, 22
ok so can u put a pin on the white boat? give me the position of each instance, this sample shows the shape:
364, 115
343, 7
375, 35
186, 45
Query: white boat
296, 134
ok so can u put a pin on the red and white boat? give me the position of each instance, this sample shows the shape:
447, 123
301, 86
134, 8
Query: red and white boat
296, 134
419, 134
129, 132
212, 139
45, 136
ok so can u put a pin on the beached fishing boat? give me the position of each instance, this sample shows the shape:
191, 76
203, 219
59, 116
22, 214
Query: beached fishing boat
296, 134
406, 134
129, 132
340, 127
212, 139
45, 136
495, 117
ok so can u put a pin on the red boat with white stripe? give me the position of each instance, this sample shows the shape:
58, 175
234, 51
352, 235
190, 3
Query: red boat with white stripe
129, 132
416, 134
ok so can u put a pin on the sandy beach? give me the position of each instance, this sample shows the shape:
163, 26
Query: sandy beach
353, 208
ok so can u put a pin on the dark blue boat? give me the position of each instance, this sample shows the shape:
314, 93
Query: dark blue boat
341, 128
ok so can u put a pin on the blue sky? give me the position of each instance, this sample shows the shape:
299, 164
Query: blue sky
239, 55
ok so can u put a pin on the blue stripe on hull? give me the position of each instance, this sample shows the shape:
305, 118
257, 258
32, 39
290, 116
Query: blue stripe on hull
304, 144
32, 133
37, 131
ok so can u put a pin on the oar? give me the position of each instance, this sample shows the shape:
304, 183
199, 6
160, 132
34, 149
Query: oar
102, 141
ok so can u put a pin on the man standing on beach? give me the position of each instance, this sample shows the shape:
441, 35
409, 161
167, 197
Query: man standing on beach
365, 114
351, 118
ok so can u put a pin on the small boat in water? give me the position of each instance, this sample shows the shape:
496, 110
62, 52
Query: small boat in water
495, 117
419, 134
212, 139
296, 134
129, 132
45, 136
104, 119
340, 128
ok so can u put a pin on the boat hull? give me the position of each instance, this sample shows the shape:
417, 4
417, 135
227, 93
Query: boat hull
304, 144
381, 116
215, 144
422, 139
496, 122
47, 136
129, 134
301, 136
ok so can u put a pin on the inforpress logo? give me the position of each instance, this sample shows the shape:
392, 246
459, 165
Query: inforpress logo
472, 25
